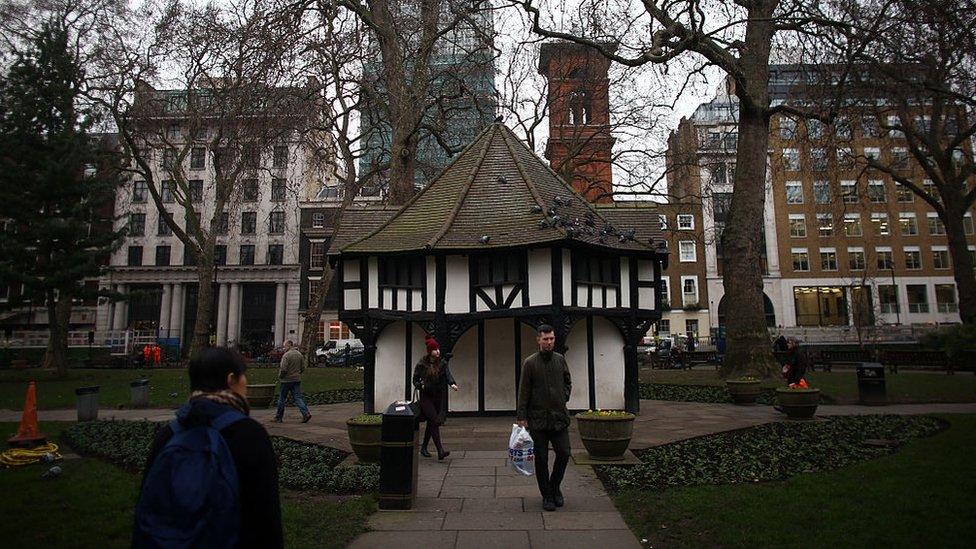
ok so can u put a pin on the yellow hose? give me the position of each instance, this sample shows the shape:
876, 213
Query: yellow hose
17, 457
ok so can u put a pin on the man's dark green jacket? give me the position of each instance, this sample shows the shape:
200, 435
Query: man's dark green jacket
544, 391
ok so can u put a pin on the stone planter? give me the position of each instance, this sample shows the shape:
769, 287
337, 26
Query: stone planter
606, 438
743, 391
261, 395
364, 437
798, 403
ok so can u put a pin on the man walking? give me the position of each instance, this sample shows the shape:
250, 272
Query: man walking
290, 374
543, 393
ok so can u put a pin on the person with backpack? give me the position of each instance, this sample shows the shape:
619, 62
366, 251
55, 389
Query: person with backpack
211, 479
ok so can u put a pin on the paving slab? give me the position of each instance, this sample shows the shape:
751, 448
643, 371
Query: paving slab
491, 539
583, 520
386, 540
406, 520
453, 491
493, 521
575, 539
451, 505
575, 503
493, 505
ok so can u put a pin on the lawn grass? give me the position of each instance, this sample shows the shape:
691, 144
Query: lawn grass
54, 392
91, 505
841, 386
918, 497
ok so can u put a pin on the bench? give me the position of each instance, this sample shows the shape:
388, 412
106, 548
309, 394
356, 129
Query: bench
847, 357
659, 362
922, 359
690, 358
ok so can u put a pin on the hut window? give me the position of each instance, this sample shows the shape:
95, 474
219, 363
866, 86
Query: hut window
596, 269
500, 269
402, 272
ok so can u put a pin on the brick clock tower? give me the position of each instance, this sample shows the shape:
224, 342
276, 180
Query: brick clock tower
580, 144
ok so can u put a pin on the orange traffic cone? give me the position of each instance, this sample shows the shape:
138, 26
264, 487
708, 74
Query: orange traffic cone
28, 435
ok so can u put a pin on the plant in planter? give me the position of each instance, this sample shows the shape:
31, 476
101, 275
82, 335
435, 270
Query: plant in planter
364, 436
260, 395
606, 434
797, 402
744, 390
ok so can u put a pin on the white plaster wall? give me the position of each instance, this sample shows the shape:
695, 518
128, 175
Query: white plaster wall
418, 300
608, 364
352, 299
374, 282
576, 359
500, 364
540, 277
389, 365
418, 349
567, 276
456, 296
464, 366
431, 283
581, 300
625, 282
480, 304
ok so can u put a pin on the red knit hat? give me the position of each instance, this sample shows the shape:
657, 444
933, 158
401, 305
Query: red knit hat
431, 344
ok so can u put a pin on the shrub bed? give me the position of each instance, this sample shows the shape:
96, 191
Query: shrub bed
697, 393
335, 396
301, 465
774, 451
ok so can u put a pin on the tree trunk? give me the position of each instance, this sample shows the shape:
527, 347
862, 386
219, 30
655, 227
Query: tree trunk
58, 318
206, 321
403, 166
962, 261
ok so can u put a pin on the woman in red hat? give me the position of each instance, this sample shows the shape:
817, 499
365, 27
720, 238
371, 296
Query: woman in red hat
432, 377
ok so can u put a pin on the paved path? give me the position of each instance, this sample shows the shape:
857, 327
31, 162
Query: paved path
472, 499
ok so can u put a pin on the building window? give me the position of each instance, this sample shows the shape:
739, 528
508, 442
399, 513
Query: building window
801, 259
278, 190
276, 254
166, 191
196, 191
691, 326
845, 158
940, 257
967, 224
137, 224
818, 160
791, 160
899, 159
168, 160
402, 272
280, 156
872, 153
870, 127
821, 192
249, 192
220, 254
718, 174
888, 298
664, 327
848, 191
276, 222
828, 259
936, 227
945, 298
666, 292
918, 299
909, 225
820, 305
223, 222
880, 223
929, 188
139, 191
689, 291
903, 193
318, 220
686, 251
247, 254
251, 156
316, 257
886, 259
338, 330
876, 191
198, 158
842, 127
329, 193
162, 256
686, 222
249, 222
894, 127
815, 128
798, 226
135, 256
794, 192
855, 259
163, 228
825, 224
507, 268
787, 127
852, 225
913, 259
189, 257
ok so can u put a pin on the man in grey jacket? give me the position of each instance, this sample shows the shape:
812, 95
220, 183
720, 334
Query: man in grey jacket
544, 390
290, 375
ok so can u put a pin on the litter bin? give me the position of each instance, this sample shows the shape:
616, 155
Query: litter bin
871, 383
140, 393
87, 398
398, 456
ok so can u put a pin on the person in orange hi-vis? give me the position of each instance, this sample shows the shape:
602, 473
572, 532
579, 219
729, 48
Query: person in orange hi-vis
157, 354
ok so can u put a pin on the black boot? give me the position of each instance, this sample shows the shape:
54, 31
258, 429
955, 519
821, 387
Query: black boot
424, 452
557, 498
441, 455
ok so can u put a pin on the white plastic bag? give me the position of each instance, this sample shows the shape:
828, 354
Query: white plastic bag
521, 451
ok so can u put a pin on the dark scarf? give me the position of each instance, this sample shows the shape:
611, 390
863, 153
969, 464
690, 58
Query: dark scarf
225, 397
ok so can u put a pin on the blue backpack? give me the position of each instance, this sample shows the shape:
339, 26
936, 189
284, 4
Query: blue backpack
190, 495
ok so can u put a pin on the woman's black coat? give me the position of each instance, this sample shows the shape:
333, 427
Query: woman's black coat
436, 388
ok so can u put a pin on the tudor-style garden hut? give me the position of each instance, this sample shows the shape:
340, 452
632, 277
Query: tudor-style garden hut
492, 248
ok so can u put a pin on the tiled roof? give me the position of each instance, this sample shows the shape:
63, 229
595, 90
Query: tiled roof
499, 189
357, 222
641, 216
